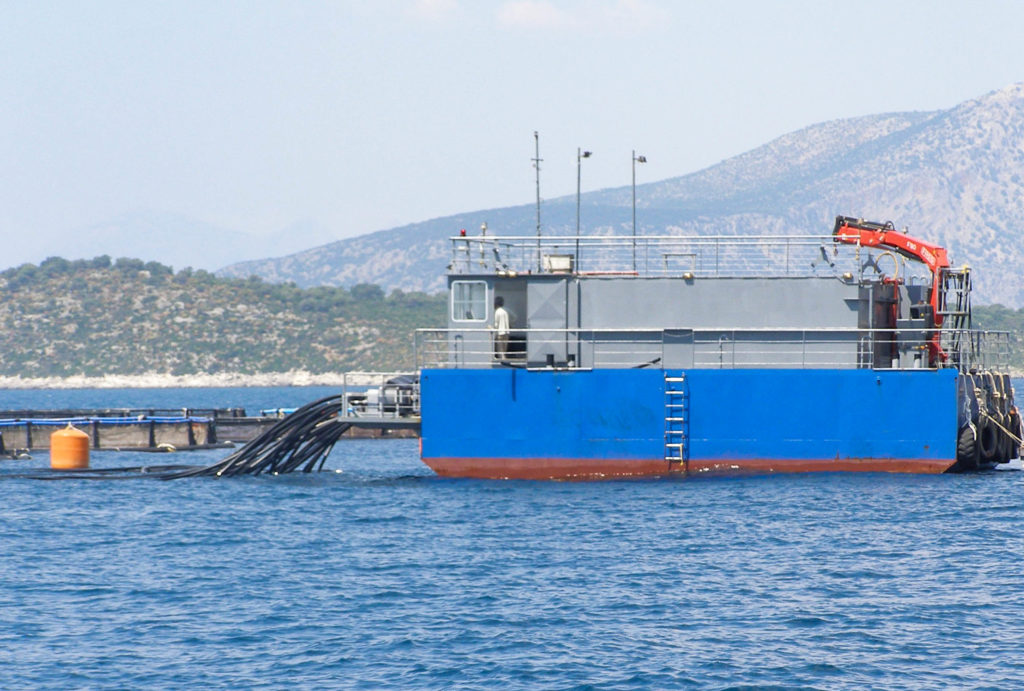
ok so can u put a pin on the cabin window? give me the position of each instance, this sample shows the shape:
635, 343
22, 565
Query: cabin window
469, 301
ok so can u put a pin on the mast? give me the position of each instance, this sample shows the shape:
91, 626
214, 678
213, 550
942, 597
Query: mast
536, 164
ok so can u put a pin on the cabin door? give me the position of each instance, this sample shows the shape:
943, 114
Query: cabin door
547, 321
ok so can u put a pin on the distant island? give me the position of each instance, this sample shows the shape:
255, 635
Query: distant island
124, 322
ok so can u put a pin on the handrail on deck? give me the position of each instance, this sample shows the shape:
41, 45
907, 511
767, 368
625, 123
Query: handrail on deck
374, 394
672, 255
727, 348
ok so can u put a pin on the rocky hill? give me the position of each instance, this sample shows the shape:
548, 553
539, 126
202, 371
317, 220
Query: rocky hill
952, 176
97, 317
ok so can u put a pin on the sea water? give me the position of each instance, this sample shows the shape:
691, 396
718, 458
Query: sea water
379, 574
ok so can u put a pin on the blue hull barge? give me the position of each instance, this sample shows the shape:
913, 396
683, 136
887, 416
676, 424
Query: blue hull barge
670, 355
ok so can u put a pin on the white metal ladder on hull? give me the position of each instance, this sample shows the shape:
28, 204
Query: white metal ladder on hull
676, 411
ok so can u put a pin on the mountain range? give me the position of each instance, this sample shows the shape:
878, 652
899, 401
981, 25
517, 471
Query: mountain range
954, 177
170, 238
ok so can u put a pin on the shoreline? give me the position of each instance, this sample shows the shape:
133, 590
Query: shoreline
189, 381
213, 381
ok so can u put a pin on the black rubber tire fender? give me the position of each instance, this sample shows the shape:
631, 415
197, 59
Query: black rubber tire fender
967, 448
1013, 424
1005, 447
988, 440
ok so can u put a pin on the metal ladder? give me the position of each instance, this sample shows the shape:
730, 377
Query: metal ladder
676, 411
955, 297
955, 309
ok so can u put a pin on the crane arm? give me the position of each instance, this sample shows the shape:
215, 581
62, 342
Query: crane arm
855, 231
867, 234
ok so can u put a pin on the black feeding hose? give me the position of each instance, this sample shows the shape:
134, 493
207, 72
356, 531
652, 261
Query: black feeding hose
300, 441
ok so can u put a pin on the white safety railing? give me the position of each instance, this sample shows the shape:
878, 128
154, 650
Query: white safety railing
380, 394
725, 348
672, 255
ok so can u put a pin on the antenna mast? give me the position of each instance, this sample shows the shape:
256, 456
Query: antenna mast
536, 164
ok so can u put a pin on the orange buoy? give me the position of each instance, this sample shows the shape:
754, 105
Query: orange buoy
69, 449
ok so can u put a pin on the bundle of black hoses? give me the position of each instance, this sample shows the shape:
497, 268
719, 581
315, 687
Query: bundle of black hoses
300, 441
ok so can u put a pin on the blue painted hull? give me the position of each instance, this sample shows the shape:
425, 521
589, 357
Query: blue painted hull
546, 424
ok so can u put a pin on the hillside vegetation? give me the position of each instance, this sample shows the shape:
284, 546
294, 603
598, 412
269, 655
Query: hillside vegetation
98, 317
1001, 318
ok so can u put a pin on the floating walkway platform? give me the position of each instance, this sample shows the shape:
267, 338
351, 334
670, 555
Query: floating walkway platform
297, 442
111, 430
182, 429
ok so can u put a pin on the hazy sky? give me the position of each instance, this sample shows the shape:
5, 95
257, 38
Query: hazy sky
360, 116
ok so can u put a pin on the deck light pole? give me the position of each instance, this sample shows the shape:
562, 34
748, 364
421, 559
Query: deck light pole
580, 155
636, 159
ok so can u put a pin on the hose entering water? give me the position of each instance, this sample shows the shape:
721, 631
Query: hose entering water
301, 441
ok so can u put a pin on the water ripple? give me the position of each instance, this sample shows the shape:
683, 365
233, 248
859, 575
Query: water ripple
386, 576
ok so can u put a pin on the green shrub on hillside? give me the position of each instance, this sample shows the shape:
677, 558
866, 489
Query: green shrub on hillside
127, 316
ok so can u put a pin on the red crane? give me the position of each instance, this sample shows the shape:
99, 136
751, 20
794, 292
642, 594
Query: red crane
856, 231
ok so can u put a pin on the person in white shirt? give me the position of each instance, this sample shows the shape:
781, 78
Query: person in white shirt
501, 328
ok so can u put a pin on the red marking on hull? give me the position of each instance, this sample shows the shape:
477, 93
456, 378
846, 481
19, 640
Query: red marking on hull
598, 468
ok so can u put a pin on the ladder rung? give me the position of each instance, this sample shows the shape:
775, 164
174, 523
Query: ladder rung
675, 380
675, 419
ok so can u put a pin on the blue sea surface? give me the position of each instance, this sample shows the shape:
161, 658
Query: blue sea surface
378, 574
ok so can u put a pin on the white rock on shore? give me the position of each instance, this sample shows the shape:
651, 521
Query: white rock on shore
169, 381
